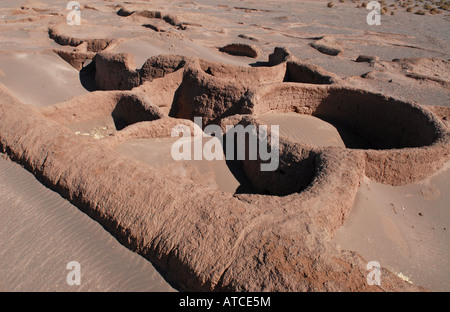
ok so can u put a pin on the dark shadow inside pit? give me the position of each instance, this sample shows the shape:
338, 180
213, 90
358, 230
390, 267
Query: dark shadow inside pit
300, 73
372, 121
253, 181
296, 170
130, 110
364, 120
303, 73
350, 138
87, 77
245, 186
235, 167
260, 64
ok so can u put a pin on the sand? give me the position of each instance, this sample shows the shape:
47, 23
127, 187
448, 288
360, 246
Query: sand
41, 232
405, 227
304, 128
156, 152
97, 128
142, 49
34, 77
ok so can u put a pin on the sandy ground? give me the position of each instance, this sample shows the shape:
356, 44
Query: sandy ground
41, 233
97, 128
405, 228
157, 153
304, 128
34, 77
142, 49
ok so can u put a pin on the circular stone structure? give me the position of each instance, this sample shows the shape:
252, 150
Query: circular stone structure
402, 142
275, 239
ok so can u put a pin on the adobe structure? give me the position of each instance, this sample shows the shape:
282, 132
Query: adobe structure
277, 238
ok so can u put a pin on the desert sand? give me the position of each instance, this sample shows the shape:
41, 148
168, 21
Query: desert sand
404, 227
304, 128
86, 113
42, 232
156, 152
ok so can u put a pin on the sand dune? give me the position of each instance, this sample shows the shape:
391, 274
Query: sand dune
41, 232
405, 228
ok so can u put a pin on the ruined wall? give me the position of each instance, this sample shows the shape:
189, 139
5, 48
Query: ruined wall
201, 239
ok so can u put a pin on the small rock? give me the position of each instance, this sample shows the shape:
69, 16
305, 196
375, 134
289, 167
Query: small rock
279, 55
248, 37
241, 49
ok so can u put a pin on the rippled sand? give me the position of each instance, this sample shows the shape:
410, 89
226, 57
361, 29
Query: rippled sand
41, 233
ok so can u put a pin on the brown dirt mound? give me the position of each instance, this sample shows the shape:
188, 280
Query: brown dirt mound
115, 71
93, 45
214, 92
241, 49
